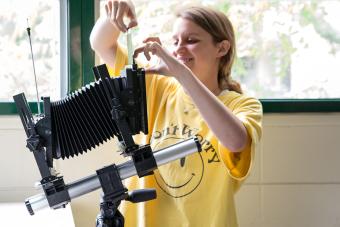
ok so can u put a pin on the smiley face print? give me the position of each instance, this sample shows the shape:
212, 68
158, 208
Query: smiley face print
181, 177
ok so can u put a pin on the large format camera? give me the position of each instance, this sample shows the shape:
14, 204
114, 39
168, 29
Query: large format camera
111, 106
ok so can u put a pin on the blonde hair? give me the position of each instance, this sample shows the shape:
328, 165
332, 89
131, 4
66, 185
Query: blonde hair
220, 28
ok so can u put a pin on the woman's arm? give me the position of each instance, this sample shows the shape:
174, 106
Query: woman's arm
104, 35
103, 40
229, 130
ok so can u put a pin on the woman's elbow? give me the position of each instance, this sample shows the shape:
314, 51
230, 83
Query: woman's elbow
93, 43
238, 143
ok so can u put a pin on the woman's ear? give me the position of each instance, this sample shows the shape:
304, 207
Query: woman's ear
223, 48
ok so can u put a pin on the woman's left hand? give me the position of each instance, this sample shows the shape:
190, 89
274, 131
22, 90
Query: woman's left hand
168, 65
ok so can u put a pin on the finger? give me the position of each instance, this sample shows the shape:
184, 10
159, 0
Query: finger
138, 51
107, 10
162, 53
146, 51
143, 49
113, 13
151, 47
132, 15
154, 48
152, 39
120, 16
133, 23
115, 9
109, 6
113, 16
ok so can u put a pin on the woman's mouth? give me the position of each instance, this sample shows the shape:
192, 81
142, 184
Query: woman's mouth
185, 60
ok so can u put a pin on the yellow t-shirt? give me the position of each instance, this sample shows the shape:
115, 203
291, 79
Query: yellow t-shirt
197, 190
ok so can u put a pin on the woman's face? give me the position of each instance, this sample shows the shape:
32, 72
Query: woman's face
194, 47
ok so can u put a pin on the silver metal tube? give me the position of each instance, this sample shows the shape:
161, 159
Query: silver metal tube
126, 170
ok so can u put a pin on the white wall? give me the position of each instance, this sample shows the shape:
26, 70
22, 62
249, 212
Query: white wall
17, 169
295, 180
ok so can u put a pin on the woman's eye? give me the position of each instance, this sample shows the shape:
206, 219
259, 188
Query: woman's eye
191, 40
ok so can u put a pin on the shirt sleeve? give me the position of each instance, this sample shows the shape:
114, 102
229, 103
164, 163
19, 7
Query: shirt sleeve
249, 111
120, 61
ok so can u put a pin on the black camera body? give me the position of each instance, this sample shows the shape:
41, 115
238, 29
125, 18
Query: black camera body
108, 107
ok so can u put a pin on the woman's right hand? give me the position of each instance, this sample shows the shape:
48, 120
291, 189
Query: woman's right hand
168, 64
116, 10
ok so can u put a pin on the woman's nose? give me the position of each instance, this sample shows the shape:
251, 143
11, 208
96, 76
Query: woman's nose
179, 48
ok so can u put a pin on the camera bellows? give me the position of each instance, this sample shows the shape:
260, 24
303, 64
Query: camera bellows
94, 113
111, 106
81, 121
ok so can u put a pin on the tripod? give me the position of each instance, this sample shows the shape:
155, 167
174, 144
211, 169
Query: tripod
113, 193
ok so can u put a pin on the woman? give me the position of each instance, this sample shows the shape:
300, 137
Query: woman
189, 93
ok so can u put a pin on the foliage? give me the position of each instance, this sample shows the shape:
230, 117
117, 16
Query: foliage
270, 35
17, 74
285, 49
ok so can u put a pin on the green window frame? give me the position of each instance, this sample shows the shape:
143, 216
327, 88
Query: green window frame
81, 18
300, 105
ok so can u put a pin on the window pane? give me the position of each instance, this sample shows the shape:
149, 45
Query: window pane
286, 49
17, 73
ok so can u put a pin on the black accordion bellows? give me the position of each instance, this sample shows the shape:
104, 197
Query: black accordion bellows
83, 119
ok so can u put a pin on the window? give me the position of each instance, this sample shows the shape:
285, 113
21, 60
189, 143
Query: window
288, 51
60, 32
17, 74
